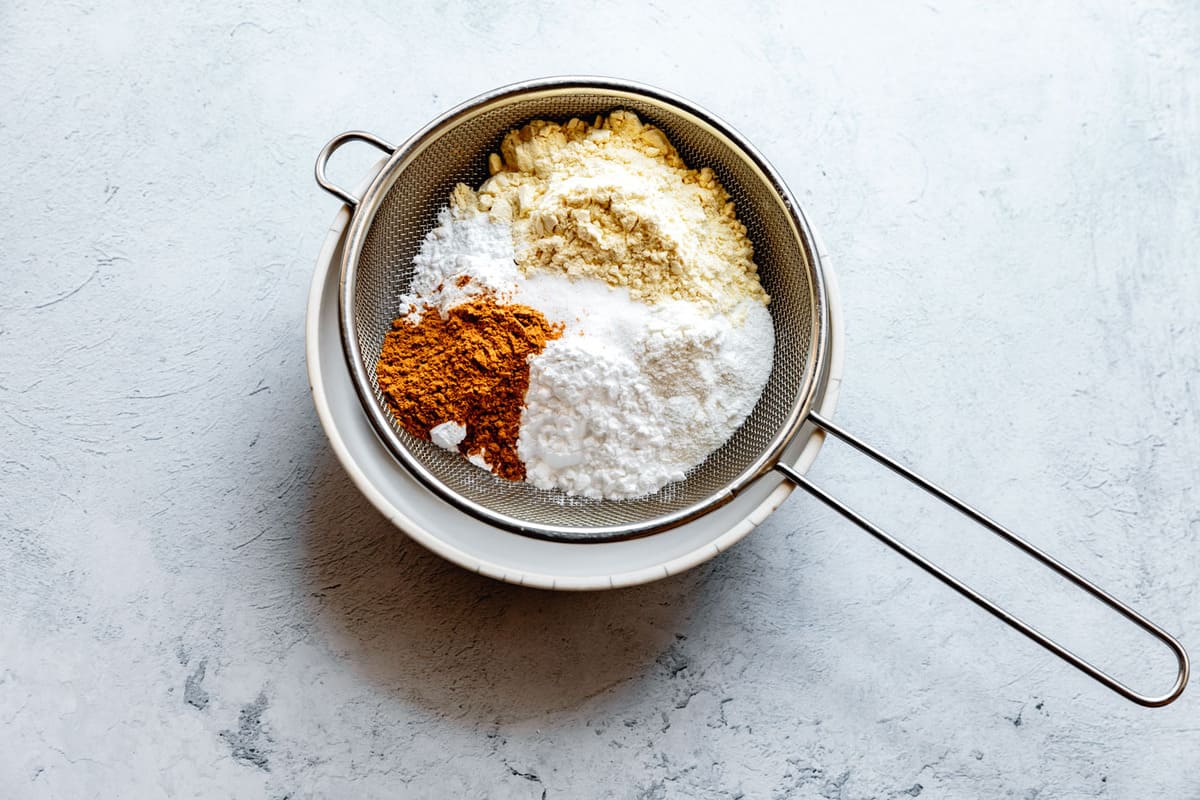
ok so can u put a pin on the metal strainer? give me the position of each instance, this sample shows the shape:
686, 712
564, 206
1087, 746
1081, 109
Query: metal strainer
400, 206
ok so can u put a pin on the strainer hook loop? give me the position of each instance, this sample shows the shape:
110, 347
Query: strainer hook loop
334, 144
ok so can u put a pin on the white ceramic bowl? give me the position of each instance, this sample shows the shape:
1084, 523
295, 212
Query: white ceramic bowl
506, 556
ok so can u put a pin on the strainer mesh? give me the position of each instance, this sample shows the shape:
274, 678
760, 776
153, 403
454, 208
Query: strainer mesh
459, 154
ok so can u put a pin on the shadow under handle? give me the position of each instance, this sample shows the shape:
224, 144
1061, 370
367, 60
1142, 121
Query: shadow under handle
1012, 620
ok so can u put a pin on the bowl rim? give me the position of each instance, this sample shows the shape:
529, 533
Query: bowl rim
826, 402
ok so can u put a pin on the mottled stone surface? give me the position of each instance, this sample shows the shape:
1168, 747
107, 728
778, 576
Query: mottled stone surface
197, 603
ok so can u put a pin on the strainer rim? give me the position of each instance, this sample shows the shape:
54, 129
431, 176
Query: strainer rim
363, 214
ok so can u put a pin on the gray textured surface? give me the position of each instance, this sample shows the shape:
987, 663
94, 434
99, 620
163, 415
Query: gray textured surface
198, 604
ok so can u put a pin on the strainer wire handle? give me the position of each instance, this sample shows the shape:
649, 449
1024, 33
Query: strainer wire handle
334, 144
974, 514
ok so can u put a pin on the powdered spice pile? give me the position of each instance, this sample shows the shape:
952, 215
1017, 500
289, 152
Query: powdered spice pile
471, 366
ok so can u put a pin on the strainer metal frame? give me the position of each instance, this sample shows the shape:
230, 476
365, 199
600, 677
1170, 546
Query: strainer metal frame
366, 207
800, 413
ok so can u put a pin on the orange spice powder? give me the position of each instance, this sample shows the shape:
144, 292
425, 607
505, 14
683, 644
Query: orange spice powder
470, 367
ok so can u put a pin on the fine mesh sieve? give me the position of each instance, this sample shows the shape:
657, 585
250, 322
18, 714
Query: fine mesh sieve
400, 206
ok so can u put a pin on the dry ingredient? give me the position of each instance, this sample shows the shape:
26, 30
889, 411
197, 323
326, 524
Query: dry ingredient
469, 368
618, 417
613, 200
652, 341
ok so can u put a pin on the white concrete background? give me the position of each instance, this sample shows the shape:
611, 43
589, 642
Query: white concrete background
196, 603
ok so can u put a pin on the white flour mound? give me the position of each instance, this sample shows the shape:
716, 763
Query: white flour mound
632, 395
621, 418
464, 245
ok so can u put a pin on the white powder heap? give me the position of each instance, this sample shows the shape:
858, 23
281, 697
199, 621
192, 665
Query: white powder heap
632, 395
620, 417
463, 256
